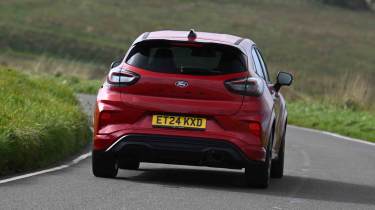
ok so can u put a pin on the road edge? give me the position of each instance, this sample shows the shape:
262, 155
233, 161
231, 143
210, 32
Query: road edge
338, 136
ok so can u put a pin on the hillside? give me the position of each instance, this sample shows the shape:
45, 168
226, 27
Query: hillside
330, 50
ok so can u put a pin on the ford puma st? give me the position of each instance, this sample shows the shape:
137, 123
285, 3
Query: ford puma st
191, 98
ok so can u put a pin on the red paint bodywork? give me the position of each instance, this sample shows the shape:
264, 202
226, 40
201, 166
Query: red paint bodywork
128, 110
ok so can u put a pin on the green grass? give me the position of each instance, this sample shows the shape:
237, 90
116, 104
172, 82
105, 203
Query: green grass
80, 85
77, 84
40, 122
320, 44
342, 120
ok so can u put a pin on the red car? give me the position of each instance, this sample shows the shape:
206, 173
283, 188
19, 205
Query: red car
191, 98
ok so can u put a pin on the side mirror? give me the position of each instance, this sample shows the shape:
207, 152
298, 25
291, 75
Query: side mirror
116, 63
283, 79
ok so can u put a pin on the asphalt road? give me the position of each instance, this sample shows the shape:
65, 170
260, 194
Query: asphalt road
322, 172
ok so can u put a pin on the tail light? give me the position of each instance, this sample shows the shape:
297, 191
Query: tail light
249, 86
121, 77
255, 128
105, 118
101, 119
96, 119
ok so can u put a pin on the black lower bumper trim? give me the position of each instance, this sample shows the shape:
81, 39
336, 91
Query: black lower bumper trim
179, 150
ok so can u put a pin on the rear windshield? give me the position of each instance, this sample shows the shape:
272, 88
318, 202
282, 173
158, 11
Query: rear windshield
187, 58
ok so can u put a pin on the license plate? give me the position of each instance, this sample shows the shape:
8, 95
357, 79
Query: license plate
178, 121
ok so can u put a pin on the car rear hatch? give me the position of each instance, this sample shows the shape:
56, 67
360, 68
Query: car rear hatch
184, 77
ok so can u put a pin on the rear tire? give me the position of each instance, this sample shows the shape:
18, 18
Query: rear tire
277, 168
258, 176
129, 164
104, 165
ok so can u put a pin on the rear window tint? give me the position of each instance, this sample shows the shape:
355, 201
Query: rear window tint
187, 58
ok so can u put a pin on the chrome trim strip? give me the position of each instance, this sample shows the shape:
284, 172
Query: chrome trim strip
116, 142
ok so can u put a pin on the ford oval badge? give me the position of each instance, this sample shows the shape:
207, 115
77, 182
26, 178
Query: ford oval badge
182, 84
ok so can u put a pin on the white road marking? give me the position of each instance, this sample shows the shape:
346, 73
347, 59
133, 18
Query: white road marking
338, 136
75, 161
33, 174
86, 155
57, 168
306, 162
296, 201
80, 158
305, 169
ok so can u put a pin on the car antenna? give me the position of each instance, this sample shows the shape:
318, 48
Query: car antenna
192, 35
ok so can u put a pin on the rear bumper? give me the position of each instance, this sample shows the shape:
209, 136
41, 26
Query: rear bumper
179, 150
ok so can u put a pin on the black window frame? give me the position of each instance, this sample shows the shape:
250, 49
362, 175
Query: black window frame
259, 72
264, 66
241, 53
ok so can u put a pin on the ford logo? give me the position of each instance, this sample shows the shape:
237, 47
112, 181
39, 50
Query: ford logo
181, 84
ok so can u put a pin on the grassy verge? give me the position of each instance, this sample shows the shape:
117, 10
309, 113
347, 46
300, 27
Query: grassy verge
80, 85
40, 122
320, 44
334, 118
